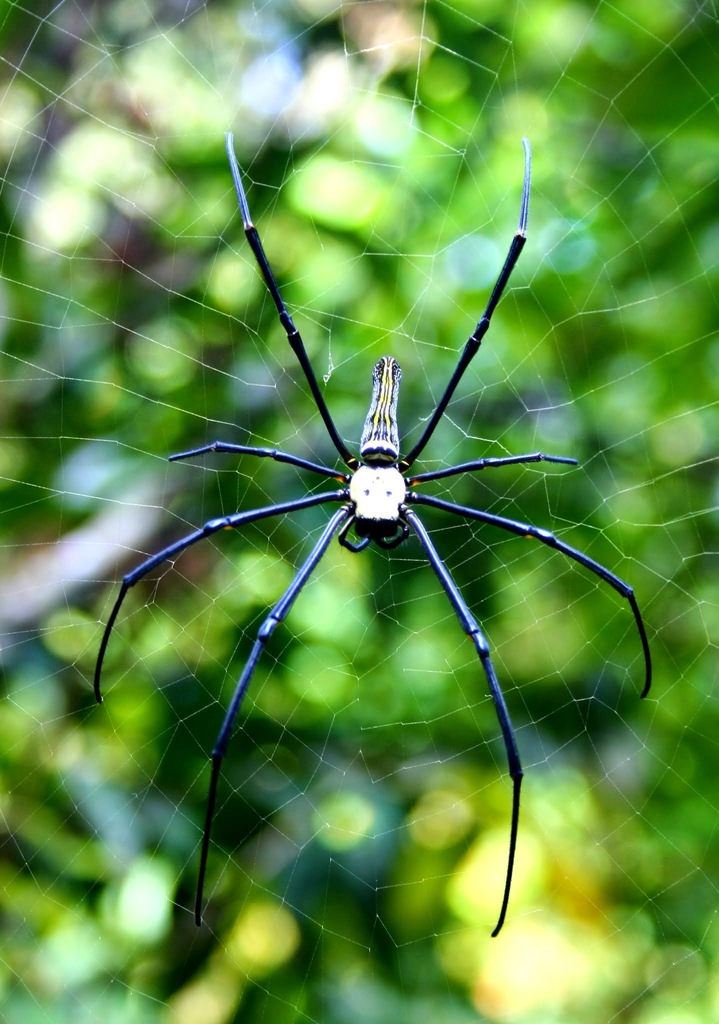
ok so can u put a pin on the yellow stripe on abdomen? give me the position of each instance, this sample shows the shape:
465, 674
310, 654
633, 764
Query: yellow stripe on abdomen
380, 435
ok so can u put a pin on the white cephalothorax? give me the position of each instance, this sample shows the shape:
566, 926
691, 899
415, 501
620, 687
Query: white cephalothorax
378, 492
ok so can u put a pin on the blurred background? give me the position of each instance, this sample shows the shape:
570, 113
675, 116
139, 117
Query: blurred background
360, 843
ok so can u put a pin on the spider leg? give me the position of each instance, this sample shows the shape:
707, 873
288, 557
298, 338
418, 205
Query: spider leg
477, 464
276, 616
293, 335
357, 546
392, 542
210, 527
267, 453
472, 629
475, 339
548, 538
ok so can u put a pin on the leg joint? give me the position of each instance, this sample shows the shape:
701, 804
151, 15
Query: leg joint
267, 628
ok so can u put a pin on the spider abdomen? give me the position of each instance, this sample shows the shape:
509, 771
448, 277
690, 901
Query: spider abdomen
380, 437
377, 493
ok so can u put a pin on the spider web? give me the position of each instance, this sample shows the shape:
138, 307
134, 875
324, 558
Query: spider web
360, 842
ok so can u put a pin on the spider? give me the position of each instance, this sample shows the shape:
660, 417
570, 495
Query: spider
377, 505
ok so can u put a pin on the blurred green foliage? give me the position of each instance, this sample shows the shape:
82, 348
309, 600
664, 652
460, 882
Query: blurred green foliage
359, 848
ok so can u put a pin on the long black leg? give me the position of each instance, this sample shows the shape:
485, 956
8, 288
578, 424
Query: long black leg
354, 546
265, 631
293, 335
210, 527
475, 339
548, 538
477, 464
471, 628
266, 453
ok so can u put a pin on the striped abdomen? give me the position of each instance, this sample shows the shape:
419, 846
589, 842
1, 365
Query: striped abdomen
380, 436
